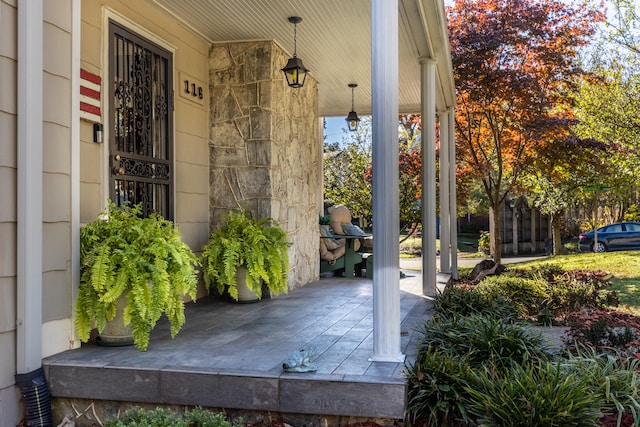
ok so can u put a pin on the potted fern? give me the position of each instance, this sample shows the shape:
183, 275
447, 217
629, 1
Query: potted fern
132, 270
243, 254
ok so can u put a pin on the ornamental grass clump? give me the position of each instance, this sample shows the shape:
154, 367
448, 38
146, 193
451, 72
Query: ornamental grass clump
459, 302
613, 376
142, 259
540, 394
479, 364
483, 339
436, 388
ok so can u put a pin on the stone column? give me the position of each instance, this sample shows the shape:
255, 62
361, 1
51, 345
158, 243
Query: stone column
266, 147
386, 204
428, 111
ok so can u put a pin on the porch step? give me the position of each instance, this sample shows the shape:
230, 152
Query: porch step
286, 393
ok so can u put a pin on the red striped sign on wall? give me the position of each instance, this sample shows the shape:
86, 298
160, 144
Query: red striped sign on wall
90, 96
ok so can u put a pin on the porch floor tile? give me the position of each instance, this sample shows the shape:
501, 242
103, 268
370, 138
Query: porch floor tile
230, 355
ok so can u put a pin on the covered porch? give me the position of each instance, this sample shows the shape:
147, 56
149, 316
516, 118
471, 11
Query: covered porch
229, 356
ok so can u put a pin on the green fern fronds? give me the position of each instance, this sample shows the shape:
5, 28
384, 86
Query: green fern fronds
259, 245
142, 258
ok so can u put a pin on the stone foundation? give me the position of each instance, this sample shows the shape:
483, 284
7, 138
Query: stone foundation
89, 413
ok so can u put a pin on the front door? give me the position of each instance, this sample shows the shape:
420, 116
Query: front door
141, 125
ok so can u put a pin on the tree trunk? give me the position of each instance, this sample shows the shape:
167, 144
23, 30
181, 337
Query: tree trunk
496, 233
514, 225
555, 229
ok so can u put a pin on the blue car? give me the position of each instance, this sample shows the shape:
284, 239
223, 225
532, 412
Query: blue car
620, 236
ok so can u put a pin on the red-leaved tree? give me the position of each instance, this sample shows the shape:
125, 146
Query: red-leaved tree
513, 61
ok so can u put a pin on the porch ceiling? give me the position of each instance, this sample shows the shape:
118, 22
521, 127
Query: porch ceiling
334, 41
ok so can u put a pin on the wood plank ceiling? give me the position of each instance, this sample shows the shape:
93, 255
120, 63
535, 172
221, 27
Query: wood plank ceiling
333, 40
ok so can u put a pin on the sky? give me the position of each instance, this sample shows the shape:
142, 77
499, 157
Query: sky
335, 129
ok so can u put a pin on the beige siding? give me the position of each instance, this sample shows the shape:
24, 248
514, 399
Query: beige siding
190, 58
57, 145
9, 409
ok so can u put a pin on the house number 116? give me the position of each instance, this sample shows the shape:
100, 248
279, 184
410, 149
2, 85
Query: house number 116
194, 90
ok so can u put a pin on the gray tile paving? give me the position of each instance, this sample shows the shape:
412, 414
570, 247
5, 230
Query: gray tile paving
230, 355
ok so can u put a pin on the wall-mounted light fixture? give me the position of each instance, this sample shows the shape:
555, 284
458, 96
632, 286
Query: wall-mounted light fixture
294, 71
352, 118
97, 133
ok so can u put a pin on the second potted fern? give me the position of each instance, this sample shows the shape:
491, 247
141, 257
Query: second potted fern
246, 251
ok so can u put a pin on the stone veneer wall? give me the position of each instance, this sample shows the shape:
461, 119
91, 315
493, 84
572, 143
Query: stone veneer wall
265, 148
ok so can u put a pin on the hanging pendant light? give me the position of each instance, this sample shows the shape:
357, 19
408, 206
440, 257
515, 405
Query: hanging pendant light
352, 118
294, 71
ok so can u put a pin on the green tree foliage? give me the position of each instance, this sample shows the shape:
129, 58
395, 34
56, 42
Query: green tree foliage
348, 172
608, 109
624, 28
513, 61
561, 175
410, 161
345, 174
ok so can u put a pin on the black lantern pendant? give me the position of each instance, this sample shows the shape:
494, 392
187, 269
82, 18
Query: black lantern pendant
294, 71
352, 118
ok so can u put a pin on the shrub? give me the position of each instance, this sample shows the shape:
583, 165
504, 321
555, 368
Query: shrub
484, 340
567, 291
456, 301
632, 214
484, 242
199, 417
161, 417
138, 417
526, 295
578, 289
435, 384
535, 395
614, 378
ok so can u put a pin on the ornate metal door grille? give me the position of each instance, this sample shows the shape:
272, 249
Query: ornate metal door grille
140, 142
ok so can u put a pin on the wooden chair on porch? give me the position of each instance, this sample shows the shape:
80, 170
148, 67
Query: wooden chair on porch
341, 243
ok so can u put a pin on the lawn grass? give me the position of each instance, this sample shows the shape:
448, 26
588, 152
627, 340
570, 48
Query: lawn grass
467, 245
623, 266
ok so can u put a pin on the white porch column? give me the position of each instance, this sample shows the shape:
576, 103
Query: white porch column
29, 244
445, 250
428, 147
75, 157
386, 204
453, 208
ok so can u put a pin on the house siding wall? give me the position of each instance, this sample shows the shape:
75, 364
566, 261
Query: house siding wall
56, 173
56, 177
9, 409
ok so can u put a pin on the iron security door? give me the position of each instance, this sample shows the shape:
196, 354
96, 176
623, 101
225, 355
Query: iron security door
141, 125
